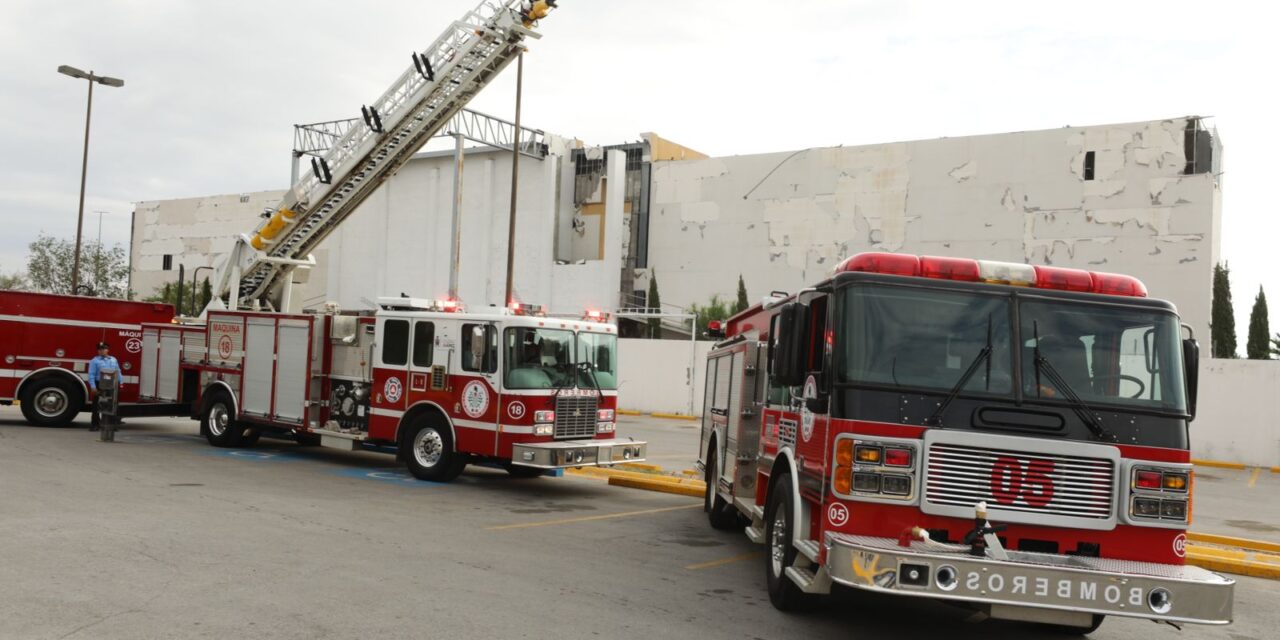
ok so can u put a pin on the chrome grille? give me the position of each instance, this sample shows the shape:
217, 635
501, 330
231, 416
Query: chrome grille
576, 416
1014, 481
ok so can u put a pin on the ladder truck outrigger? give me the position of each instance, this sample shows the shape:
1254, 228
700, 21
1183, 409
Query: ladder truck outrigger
439, 386
1007, 437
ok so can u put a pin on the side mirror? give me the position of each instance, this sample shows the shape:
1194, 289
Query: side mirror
789, 345
1191, 366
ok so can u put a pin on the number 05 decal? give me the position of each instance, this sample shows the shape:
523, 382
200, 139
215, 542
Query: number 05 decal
1012, 480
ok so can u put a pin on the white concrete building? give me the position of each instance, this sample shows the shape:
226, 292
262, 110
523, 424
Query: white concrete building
1141, 198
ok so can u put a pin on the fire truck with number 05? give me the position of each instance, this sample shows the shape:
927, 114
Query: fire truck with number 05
1008, 437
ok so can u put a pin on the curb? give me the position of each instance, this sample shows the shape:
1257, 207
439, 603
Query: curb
1245, 563
629, 412
1219, 464
660, 486
674, 416
640, 466
1239, 543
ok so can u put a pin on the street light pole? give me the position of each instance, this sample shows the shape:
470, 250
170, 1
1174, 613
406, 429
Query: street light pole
84, 163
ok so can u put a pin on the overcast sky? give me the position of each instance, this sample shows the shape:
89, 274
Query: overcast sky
213, 88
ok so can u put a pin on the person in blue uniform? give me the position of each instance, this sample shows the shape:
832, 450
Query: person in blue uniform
103, 361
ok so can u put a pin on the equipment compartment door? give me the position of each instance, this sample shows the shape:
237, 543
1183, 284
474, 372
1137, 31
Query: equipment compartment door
259, 364
167, 379
293, 369
150, 361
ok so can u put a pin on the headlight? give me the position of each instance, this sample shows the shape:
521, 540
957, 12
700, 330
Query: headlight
604, 427
605, 415
544, 416
544, 429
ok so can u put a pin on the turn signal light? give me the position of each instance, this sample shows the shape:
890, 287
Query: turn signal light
1175, 482
868, 455
844, 480
544, 416
844, 453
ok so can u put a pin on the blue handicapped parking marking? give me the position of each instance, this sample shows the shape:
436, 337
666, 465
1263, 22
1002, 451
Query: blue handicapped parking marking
394, 477
251, 455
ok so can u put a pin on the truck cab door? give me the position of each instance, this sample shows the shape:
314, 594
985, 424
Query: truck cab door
477, 389
390, 375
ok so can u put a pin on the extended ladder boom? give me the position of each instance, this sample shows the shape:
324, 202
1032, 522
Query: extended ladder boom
257, 273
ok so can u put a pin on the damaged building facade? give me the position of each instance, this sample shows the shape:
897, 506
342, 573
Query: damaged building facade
1140, 198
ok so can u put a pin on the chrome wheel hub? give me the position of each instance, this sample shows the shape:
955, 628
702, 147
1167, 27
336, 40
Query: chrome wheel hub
51, 402
428, 447
219, 419
778, 543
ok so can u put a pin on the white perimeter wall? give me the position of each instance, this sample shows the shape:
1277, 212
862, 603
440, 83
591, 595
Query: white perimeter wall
1238, 418
654, 375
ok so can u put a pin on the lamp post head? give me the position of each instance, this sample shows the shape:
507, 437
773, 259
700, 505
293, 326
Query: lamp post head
68, 70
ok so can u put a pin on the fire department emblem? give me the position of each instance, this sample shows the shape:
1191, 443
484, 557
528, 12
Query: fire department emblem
393, 389
806, 416
475, 399
133, 345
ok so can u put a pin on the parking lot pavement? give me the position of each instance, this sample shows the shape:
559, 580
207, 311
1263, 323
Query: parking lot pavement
673, 443
1239, 503
160, 535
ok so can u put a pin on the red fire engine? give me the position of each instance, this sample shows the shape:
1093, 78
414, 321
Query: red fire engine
1005, 436
48, 340
435, 385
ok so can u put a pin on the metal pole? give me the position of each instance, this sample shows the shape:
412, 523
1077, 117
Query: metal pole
693, 360
293, 171
84, 169
455, 248
515, 181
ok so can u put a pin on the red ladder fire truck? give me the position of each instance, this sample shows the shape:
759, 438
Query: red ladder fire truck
1005, 436
47, 340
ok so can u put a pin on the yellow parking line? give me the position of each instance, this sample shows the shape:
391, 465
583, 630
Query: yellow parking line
723, 561
607, 516
1253, 478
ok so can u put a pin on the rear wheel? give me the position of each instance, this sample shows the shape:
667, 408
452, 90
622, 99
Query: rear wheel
720, 513
219, 424
51, 401
779, 535
431, 454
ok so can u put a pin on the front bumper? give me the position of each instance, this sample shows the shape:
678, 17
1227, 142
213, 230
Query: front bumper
578, 453
1034, 580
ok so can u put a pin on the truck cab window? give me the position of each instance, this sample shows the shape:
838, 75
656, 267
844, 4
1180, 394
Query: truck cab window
424, 338
395, 342
479, 348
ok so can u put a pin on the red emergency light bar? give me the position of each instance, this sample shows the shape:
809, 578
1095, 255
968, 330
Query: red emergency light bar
1012, 273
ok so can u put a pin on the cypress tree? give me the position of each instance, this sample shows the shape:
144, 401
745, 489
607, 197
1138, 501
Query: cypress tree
1258, 346
1222, 320
742, 303
654, 304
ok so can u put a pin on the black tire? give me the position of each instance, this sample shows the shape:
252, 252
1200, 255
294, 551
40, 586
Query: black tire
218, 421
720, 513
429, 452
1064, 630
780, 552
51, 401
522, 472
250, 437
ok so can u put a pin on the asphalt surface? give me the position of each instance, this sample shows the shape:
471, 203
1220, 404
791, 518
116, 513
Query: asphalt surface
161, 536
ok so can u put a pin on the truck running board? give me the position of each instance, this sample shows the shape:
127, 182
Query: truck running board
810, 582
808, 549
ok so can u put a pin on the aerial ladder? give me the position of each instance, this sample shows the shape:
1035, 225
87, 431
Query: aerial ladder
258, 271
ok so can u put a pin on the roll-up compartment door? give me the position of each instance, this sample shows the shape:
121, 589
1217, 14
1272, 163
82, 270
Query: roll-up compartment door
148, 374
293, 369
259, 365
170, 351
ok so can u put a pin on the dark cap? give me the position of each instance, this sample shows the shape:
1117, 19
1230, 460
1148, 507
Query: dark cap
103, 345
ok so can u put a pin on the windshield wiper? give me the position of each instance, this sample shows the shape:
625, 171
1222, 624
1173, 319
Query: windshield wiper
1078, 405
586, 366
935, 420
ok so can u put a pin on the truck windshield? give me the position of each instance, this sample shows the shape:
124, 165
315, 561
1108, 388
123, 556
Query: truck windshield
599, 352
1107, 354
538, 358
925, 339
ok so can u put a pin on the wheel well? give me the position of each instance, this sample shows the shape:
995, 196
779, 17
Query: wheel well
429, 410
54, 372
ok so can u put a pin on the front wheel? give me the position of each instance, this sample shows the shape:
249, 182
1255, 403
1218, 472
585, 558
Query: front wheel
51, 401
431, 454
779, 535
